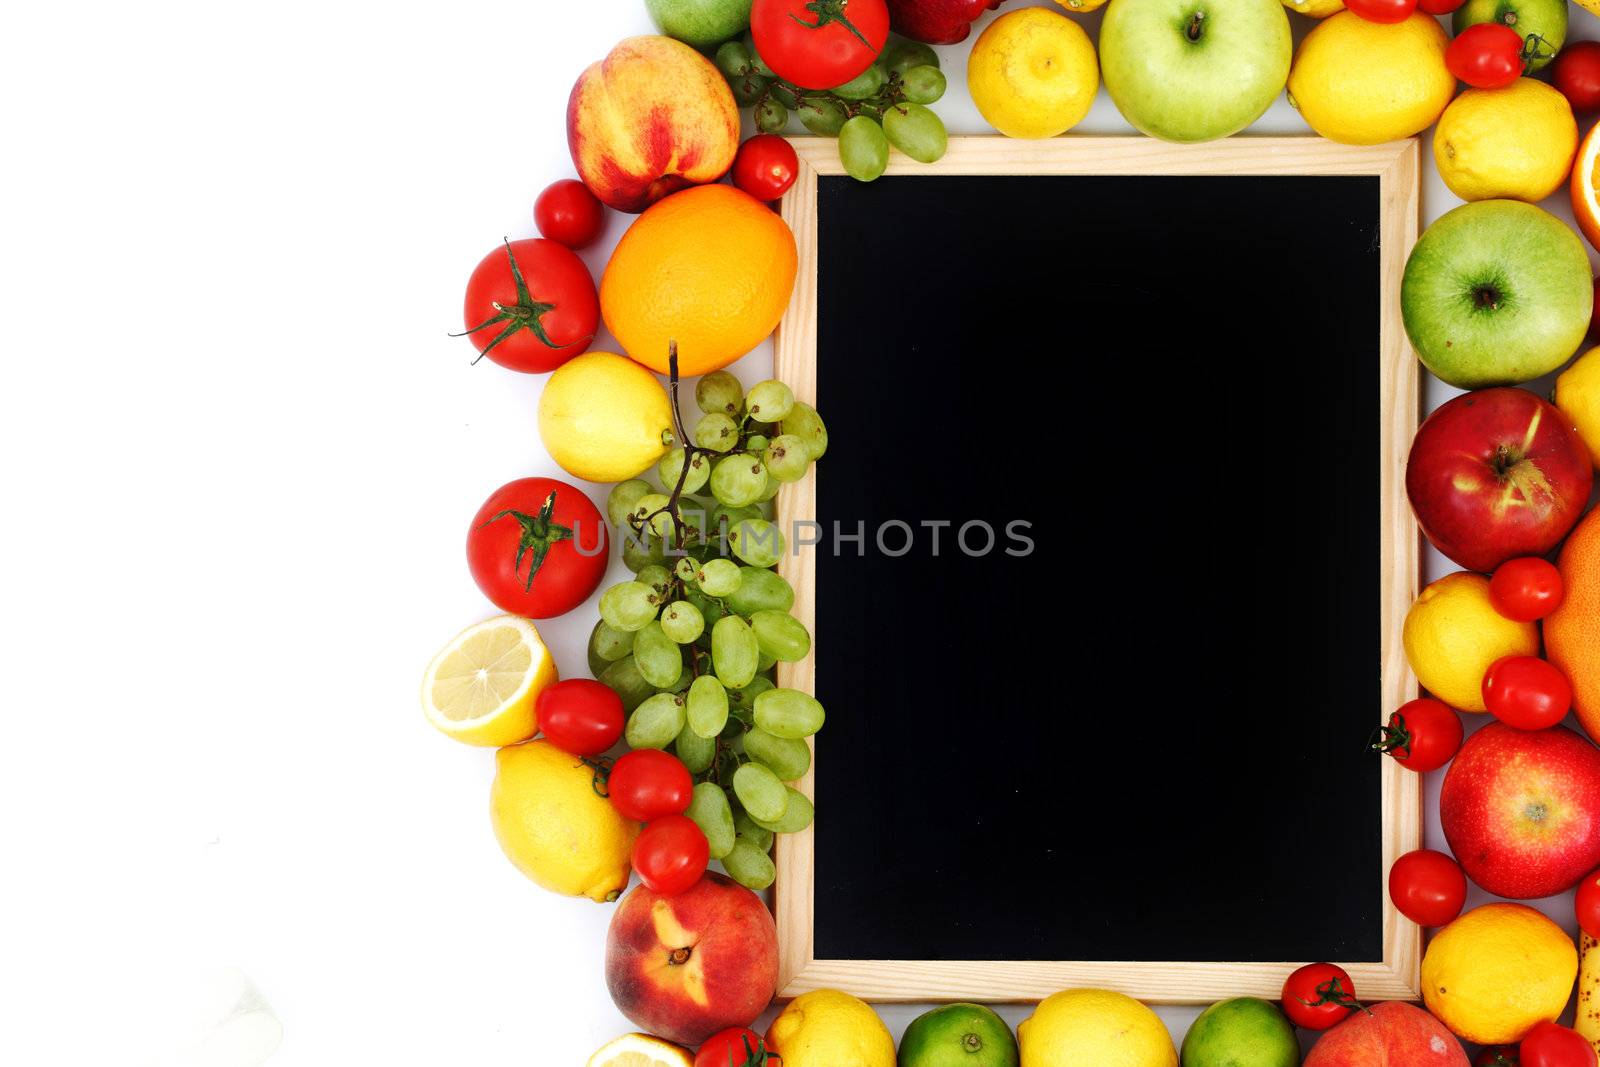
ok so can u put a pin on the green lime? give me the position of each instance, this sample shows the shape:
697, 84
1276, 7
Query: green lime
958, 1035
1243, 1032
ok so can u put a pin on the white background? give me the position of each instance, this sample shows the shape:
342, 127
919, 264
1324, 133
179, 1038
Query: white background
239, 458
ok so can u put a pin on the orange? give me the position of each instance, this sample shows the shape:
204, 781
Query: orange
1572, 632
710, 268
1585, 206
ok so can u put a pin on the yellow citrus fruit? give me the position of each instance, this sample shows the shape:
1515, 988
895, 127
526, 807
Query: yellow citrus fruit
604, 418
1033, 73
1453, 636
1496, 971
555, 827
711, 268
827, 1028
482, 686
1512, 143
1360, 82
1578, 397
1082, 6
640, 1050
1317, 9
1083, 1026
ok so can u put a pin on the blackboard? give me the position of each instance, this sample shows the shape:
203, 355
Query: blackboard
1100, 587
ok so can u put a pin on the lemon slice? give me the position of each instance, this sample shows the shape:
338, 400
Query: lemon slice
640, 1050
481, 688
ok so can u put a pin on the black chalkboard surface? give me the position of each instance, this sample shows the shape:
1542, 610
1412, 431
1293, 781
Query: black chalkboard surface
1142, 739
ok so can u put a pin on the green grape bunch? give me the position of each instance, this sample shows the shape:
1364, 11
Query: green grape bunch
886, 104
692, 642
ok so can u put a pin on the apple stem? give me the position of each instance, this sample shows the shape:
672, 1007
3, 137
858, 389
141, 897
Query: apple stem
1196, 24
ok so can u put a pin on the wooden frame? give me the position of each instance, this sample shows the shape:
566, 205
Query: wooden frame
1397, 976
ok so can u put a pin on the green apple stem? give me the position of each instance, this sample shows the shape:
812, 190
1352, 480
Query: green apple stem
1196, 25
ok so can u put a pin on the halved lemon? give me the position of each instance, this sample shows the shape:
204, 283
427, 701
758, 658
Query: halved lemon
640, 1050
481, 688
1585, 199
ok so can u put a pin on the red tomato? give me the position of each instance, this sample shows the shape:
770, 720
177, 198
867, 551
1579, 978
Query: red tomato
819, 44
671, 854
537, 547
1594, 318
1439, 7
1319, 995
1576, 72
1387, 11
1527, 692
765, 167
569, 214
1428, 887
1549, 1045
1422, 736
1528, 588
647, 783
733, 1047
1487, 55
531, 306
1496, 1056
1587, 904
580, 716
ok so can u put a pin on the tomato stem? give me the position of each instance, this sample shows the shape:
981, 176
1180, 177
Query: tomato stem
1394, 739
601, 766
526, 314
828, 11
1333, 992
539, 532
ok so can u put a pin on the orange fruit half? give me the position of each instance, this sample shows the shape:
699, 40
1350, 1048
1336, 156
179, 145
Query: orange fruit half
1585, 198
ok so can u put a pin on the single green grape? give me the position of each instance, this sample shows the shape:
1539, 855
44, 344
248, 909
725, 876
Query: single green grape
716, 431
687, 570
696, 753
624, 679
608, 642
787, 713
734, 652
759, 792
738, 480
757, 542
749, 866
744, 700
658, 578
769, 401
760, 590
720, 577
718, 392
709, 809
822, 115
755, 442
745, 826
656, 723
923, 84
786, 757
682, 622
797, 814
903, 54
707, 706
780, 635
916, 131
733, 59
750, 88
640, 552
771, 116
863, 149
623, 497
863, 86
627, 606
787, 458
660, 659
671, 467
806, 424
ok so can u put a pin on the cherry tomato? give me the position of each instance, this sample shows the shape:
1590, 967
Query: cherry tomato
1319, 995
1527, 588
647, 783
1527, 692
1386, 11
1576, 72
765, 167
580, 716
1439, 7
537, 547
1594, 318
1496, 1056
531, 306
671, 854
569, 214
1549, 1045
1587, 904
1487, 55
819, 44
1422, 736
1428, 887
733, 1047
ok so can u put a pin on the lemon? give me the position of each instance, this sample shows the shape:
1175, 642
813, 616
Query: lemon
1496, 971
827, 1028
1453, 636
1360, 82
1084, 1026
1516, 143
1578, 396
482, 686
1318, 9
604, 418
1033, 73
640, 1050
555, 827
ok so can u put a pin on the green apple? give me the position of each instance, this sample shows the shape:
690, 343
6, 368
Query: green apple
703, 24
1496, 293
1544, 19
1194, 70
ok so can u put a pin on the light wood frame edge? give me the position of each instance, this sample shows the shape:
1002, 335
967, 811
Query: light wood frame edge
1397, 976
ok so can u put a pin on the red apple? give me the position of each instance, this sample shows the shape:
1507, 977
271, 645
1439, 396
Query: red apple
1390, 1034
937, 21
1496, 474
687, 966
1521, 810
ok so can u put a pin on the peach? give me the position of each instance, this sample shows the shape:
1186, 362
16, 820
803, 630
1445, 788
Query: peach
687, 966
1390, 1034
651, 118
